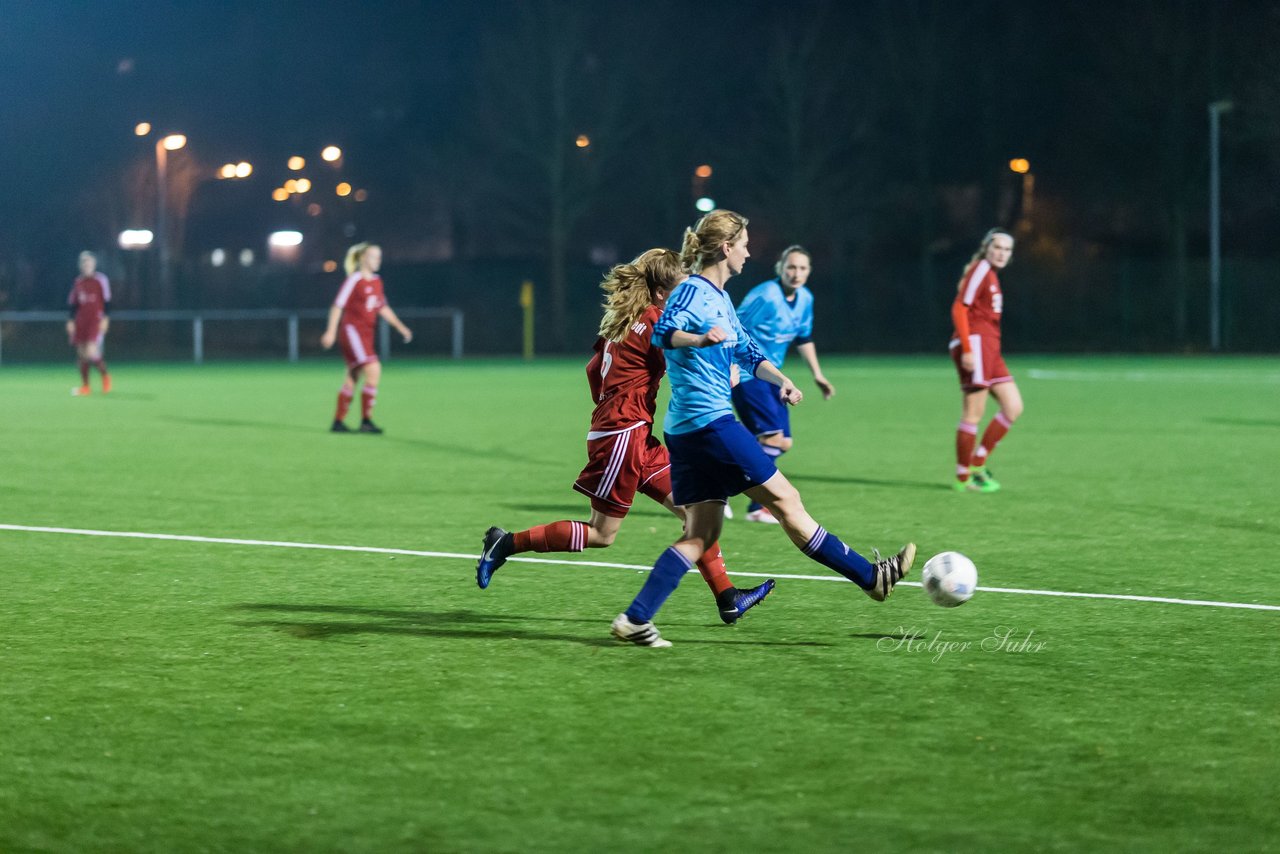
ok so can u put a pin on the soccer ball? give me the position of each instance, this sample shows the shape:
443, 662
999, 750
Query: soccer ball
950, 579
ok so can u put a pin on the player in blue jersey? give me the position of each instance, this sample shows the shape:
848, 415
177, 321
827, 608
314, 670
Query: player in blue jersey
712, 455
776, 313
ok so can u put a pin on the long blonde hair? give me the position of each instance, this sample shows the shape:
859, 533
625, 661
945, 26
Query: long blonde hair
631, 288
703, 242
355, 254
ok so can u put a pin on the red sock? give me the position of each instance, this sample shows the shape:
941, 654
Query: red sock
344, 404
966, 434
993, 434
713, 572
555, 537
368, 396
84, 371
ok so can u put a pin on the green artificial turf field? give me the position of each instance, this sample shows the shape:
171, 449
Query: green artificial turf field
177, 695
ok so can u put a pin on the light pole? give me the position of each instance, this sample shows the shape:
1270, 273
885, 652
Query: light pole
164, 145
1216, 109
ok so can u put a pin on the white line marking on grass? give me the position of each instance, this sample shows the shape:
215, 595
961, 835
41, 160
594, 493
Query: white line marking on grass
285, 544
1103, 375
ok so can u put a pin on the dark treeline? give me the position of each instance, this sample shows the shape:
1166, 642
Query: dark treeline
878, 133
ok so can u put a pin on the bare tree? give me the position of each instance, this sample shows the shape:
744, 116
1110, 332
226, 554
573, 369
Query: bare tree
548, 121
808, 161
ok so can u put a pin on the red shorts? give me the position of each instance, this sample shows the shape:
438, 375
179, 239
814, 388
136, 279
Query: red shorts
988, 365
357, 345
620, 464
88, 330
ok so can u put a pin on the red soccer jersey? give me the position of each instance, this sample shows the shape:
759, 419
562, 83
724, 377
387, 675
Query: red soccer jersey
360, 300
90, 294
978, 303
625, 376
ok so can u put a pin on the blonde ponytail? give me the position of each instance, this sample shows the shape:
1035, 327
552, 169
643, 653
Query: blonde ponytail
355, 254
703, 242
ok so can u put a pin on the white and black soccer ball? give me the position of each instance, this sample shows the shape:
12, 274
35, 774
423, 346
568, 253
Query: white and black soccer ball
949, 579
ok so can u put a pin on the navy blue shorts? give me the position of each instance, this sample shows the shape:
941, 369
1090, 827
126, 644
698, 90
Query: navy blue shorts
720, 460
761, 409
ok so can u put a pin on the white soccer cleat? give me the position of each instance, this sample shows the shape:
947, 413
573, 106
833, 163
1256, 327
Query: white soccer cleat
763, 515
640, 634
728, 511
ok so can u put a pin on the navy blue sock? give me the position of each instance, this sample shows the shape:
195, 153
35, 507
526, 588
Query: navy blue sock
661, 583
827, 550
754, 506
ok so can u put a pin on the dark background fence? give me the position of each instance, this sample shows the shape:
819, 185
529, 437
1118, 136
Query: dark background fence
1072, 304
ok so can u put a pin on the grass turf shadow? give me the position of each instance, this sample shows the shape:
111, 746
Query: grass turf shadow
462, 625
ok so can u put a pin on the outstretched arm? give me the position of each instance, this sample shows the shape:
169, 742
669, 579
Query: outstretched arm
960, 317
331, 330
787, 389
390, 317
809, 353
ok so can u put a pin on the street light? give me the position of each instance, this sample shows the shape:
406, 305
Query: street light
1216, 109
135, 238
164, 145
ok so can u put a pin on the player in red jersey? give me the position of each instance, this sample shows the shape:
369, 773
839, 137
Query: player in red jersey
89, 300
353, 317
623, 457
975, 349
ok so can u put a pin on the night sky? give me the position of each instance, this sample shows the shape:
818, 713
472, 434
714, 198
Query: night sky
910, 111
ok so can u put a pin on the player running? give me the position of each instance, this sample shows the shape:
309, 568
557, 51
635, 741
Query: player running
975, 349
712, 455
90, 299
776, 313
359, 304
623, 457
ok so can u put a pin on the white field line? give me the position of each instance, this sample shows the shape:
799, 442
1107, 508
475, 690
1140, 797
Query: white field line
284, 544
1103, 375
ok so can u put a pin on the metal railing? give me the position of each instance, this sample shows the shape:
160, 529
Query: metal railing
291, 319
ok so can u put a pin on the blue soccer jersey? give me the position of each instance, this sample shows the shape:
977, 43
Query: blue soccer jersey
774, 322
699, 376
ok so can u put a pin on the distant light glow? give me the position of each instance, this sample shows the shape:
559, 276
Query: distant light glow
228, 170
330, 266
246, 257
331, 153
296, 163
706, 204
280, 194
218, 257
284, 238
703, 171
304, 184
243, 169
361, 195
135, 238
343, 189
173, 142
1021, 165
142, 129
313, 209
582, 141
291, 186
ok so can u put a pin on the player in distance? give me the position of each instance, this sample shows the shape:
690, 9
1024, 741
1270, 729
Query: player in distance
975, 349
623, 457
776, 313
712, 455
90, 299
355, 311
